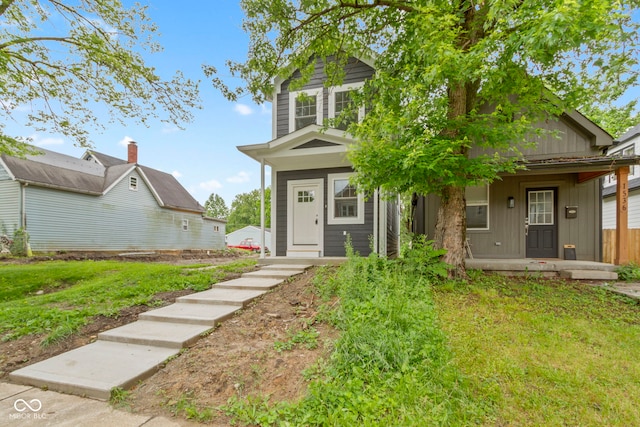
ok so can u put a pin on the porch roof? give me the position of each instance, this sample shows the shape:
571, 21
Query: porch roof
588, 167
311, 147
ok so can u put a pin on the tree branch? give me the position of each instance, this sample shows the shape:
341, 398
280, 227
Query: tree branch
5, 5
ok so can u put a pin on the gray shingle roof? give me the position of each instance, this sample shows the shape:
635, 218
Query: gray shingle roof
94, 174
629, 134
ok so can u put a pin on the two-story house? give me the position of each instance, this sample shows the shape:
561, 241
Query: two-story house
314, 207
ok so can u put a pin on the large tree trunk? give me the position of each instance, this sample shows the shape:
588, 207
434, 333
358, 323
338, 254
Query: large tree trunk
451, 226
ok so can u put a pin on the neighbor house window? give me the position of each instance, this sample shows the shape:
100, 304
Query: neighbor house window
340, 101
633, 170
216, 228
346, 205
305, 108
477, 207
185, 225
133, 183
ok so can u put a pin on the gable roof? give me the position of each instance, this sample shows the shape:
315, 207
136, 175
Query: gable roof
95, 174
630, 134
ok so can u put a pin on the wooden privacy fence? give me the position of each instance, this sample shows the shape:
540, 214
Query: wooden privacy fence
609, 245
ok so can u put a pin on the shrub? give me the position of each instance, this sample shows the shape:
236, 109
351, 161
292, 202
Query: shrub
629, 272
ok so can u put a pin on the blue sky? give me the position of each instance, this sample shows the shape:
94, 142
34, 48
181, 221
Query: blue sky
203, 157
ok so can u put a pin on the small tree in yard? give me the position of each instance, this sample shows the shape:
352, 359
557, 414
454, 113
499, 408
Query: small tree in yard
439, 65
62, 60
215, 207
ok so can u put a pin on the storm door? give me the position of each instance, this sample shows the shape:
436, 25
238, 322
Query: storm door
542, 223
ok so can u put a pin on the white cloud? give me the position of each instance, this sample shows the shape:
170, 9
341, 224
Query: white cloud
243, 109
125, 141
211, 185
176, 174
264, 109
239, 178
39, 141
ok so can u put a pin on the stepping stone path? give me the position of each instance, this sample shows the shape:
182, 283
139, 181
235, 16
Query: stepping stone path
123, 356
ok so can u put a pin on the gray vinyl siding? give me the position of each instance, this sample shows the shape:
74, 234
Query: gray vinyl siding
121, 220
9, 204
506, 235
570, 142
334, 238
356, 71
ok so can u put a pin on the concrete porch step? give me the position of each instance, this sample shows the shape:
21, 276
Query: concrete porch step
294, 267
273, 274
221, 296
195, 314
93, 370
588, 275
250, 283
158, 334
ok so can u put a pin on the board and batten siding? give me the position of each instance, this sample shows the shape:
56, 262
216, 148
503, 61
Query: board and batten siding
334, 235
356, 71
572, 143
506, 235
121, 220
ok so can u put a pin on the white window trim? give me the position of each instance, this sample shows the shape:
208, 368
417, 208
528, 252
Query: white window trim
331, 219
292, 106
610, 179
133, 183
343, 88
185, 224
487, 204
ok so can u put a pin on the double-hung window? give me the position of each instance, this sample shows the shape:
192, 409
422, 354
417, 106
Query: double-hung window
346, 205
305, 108
341, 106
477, 207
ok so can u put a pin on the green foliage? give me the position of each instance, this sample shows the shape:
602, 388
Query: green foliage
62, 59
215, 207
391, 364
118, 397
418, 255
629, 272
245, 210
308, 338
54, 299
187, 407
20, 244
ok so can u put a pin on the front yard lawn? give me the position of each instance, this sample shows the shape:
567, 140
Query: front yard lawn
54, 299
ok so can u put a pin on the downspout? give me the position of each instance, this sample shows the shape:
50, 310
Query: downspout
600, 252
376, 226
262, 210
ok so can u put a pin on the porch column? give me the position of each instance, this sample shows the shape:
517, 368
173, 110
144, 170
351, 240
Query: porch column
262, 209
622, 216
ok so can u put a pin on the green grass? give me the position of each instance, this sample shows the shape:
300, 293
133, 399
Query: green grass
546, 352
75, 291
391, 365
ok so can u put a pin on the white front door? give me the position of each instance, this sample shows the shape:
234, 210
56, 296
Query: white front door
305, 217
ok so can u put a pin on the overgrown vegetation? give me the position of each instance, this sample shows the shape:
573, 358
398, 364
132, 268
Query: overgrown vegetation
629, 272
391, 364
54, 299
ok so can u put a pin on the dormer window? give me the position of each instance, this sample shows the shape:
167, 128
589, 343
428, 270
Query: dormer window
340, 101
133, 183
305, 108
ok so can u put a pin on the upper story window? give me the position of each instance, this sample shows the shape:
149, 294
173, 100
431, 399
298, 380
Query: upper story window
133, 183
346, 205
185, 225
305, 108
477, 198
341, 105
634, 171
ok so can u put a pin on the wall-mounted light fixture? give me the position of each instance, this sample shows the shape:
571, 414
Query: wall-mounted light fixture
511, 202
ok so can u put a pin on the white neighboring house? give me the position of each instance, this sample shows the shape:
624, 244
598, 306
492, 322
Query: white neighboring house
248, 232
627, 145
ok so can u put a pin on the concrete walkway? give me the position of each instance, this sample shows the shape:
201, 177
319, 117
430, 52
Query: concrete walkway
123, 356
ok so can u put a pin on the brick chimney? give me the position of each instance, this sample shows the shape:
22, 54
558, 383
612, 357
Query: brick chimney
132, 151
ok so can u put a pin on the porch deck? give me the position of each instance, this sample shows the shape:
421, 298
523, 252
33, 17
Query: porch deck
545, 267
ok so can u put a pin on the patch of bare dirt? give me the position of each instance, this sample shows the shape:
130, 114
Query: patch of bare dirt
240, 359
